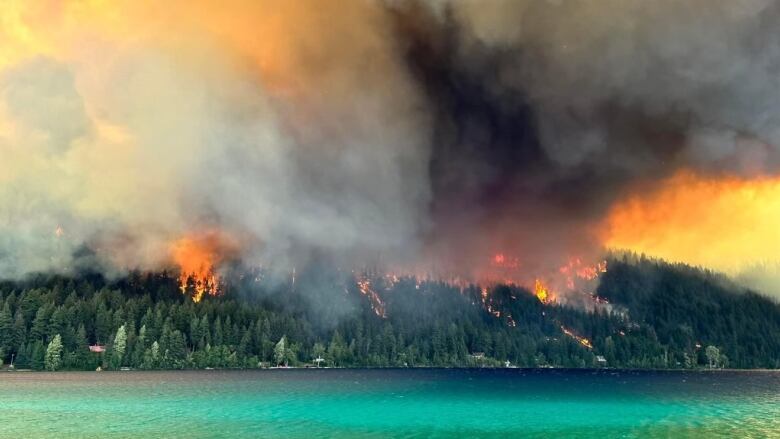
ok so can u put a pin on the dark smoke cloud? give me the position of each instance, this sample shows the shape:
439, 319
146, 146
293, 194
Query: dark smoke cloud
546, 111
402, 132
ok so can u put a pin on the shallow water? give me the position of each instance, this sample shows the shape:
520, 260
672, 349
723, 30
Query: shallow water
390, 404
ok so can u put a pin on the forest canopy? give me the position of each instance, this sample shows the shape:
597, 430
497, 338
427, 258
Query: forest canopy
651, 315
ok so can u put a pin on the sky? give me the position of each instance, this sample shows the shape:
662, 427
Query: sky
428, 137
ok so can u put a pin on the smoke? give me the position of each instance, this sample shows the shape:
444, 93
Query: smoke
549, 113
286, 126
424, 135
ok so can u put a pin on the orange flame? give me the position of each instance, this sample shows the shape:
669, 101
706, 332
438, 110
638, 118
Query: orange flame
542, 292
576, 269
582, 340
197, 256
365, 288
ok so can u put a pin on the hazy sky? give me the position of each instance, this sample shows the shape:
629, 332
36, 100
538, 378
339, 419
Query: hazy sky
428, 136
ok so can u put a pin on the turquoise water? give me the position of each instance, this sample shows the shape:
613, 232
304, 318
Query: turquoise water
390, 404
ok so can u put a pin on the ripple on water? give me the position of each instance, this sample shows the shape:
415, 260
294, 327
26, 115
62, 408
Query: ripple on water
391, 403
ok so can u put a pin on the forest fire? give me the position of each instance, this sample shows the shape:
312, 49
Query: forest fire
581, 340
576, 269
365, 288
548, 285
542, 292
197, 258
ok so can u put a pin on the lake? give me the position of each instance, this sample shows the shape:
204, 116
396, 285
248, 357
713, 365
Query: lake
390, 403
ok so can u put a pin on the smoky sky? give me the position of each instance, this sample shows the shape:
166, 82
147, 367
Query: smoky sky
432, 133
546, 112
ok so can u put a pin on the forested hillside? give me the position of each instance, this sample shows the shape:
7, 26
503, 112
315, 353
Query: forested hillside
659, 316
688, 307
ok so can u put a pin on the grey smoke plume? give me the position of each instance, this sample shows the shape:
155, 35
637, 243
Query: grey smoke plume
432, 133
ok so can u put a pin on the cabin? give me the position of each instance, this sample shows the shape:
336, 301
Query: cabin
600, 360
97, 348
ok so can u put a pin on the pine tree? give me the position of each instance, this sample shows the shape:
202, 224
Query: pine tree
53, 357
7, 342
82, 359
139, 349
120, 344
37, 355
280, 352
20, 329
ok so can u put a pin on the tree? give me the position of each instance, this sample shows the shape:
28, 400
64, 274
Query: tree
336, 349
53, 357
318, 351
713, 356
152, 356
37, 355
82, 348
20, 329
139, 348
175, 355
120, 345
280, 351
6, 332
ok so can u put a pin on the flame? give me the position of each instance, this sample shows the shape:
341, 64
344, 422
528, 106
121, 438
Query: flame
575, 269
365, 288
582, 340
723, 223
197, 256
542, 292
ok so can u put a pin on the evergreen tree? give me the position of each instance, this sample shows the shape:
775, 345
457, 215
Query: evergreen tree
82, 358
53, 357
280, 352
659, 315
37, 355
118, 349
7, 339
139, 349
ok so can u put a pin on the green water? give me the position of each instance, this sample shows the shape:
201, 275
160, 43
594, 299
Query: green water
390, 404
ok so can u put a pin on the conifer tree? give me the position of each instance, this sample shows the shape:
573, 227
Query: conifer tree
53, 357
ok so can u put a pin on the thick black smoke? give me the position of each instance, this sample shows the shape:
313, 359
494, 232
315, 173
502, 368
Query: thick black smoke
545, 112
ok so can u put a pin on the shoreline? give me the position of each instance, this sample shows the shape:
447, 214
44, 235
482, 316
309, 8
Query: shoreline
416, 368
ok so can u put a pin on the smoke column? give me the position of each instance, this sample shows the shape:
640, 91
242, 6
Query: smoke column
429, 136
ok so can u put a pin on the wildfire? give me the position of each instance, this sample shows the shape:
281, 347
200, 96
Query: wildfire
197, 257
365, 288
576, 269
582, 340
542, 292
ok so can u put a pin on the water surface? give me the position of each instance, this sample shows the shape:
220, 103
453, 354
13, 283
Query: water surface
390, 404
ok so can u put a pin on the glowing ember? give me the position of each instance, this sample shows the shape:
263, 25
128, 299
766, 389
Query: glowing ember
576, 269
196, 257
581, 340
365, 288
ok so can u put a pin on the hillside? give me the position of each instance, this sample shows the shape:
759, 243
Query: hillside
659, 315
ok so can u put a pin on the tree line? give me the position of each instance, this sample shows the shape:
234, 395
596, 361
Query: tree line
660, 316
